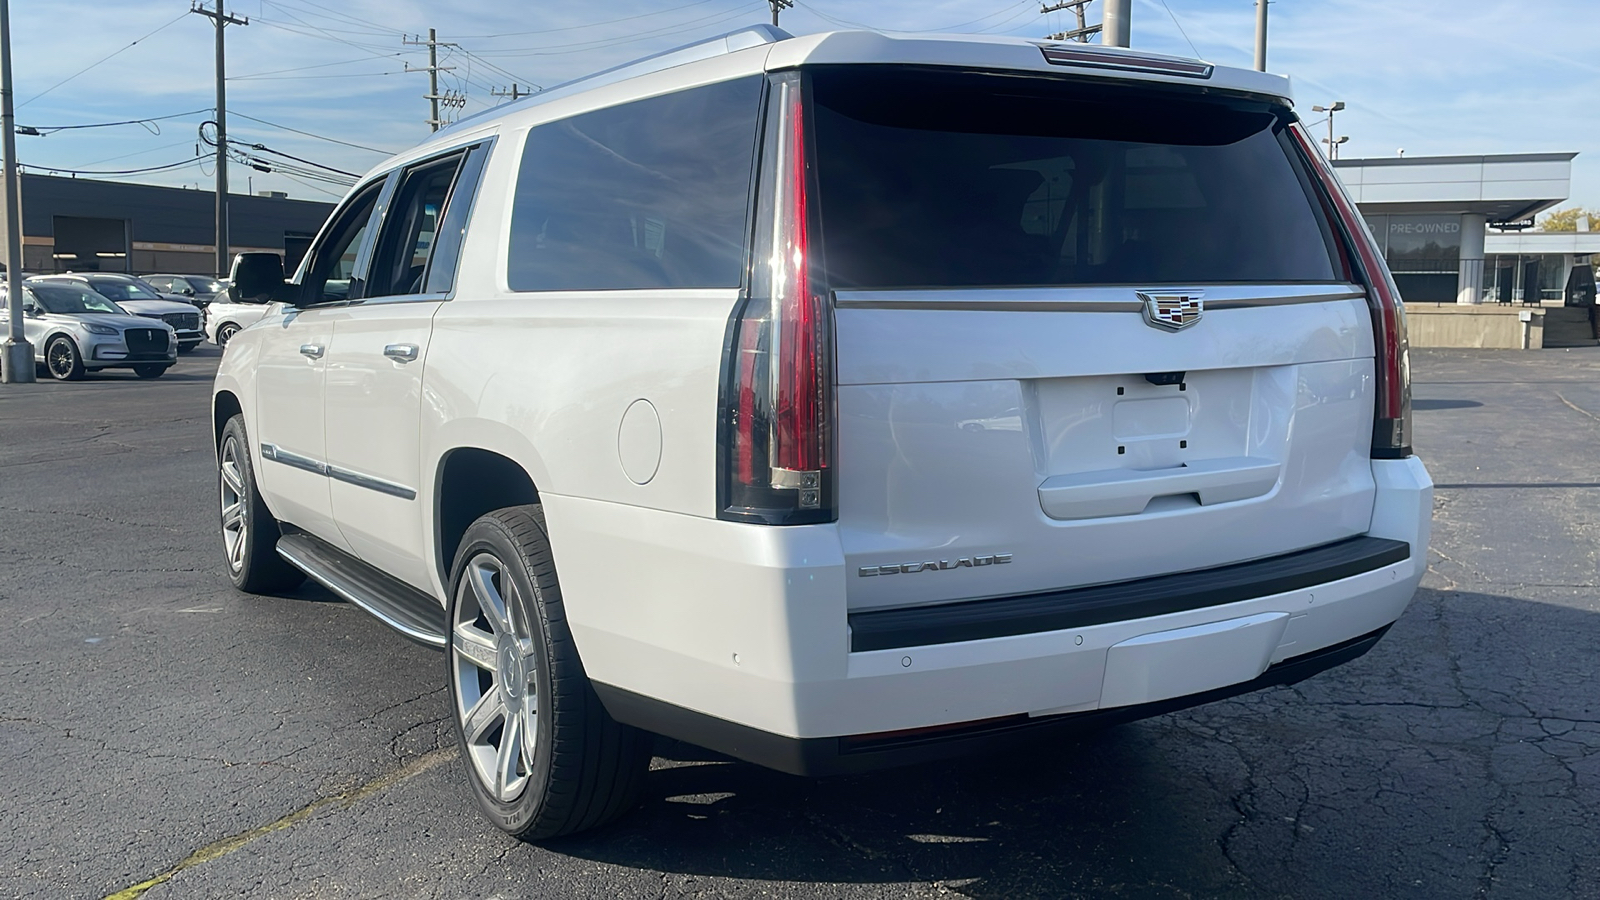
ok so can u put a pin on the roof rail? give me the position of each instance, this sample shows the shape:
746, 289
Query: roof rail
744, 38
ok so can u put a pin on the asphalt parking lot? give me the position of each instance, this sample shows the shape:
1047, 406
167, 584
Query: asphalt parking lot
162, 733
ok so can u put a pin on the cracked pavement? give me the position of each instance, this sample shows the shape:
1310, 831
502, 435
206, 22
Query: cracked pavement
159, 727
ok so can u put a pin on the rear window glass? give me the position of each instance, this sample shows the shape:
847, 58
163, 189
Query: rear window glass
650, 194
933, 179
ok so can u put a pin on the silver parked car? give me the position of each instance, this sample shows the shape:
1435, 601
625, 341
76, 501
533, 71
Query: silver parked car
140, 299
74, 330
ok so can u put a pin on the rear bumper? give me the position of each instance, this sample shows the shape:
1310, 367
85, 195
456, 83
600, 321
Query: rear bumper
864, 753
744, 629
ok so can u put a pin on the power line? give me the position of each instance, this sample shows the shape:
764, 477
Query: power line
262, 148
1180, 28
659, 12
241, 146
336, 15
313, 77
695, 25
103, 60
325, 33
317, 136
342, 62
136, 153
308, 184
52, 129
163, 168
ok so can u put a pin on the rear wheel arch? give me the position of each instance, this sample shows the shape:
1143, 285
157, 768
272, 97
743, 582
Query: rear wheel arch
472, 482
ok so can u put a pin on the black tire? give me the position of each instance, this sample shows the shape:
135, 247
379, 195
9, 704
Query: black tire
255, 567
62, 359
586, 768
152, 370
225, 333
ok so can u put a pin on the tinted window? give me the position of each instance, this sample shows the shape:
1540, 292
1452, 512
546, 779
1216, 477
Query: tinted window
407, 239
331, 273
651, 194
939, 179
442, 266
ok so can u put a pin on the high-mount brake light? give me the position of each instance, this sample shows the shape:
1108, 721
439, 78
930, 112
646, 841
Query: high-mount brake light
1391, 427
1095, 58
777, 405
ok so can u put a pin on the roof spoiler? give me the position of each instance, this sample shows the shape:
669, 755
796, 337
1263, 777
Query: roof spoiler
742, 39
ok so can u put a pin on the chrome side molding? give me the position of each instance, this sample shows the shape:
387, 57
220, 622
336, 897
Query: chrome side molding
349, 476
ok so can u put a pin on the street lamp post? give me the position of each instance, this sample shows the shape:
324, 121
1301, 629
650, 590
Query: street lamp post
1332, 142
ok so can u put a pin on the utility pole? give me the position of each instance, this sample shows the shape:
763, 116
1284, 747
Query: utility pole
1332, 142
513, 94
222, 20
16, 365
432, 96
1114, 30
1261, 35
1082, 32
777, 7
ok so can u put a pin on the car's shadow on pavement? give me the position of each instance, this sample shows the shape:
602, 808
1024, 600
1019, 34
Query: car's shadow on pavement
1105, 811
1364, 781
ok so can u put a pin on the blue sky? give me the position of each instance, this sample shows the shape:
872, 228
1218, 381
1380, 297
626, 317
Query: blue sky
1431, 76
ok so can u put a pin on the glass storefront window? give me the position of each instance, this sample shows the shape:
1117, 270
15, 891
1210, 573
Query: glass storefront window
1424, 254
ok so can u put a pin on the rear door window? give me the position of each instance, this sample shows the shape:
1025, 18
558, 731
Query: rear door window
400, 260
649, 194
935, 179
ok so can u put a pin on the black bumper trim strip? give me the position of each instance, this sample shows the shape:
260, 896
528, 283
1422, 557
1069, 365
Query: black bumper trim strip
973, 620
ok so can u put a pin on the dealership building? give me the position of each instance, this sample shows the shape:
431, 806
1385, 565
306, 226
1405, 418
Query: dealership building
84, 225
1456, 231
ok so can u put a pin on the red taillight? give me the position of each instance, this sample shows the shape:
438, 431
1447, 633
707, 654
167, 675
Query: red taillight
777, 405
798, 425
1391, 432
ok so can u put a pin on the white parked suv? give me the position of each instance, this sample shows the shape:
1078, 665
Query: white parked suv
650, 400
226, 316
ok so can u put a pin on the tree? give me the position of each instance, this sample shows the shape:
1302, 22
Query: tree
1567, 219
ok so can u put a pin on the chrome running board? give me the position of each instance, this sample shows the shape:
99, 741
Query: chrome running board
396, 604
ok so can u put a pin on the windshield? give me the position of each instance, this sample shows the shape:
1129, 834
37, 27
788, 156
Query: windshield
125, 290
69, 301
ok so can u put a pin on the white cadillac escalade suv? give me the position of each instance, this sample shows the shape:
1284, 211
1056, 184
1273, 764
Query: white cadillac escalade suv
835, 402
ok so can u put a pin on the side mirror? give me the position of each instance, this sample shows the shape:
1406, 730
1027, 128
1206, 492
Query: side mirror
258, 277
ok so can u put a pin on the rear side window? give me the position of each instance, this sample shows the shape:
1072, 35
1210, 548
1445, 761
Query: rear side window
649, 194
935, 179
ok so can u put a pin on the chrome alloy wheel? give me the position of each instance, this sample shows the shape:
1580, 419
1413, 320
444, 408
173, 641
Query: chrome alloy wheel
235, 524
496, 702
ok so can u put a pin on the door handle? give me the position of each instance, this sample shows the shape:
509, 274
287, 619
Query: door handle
313, 351
401, 352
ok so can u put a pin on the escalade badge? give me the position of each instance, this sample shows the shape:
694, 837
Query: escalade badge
1172, 311
935, 565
